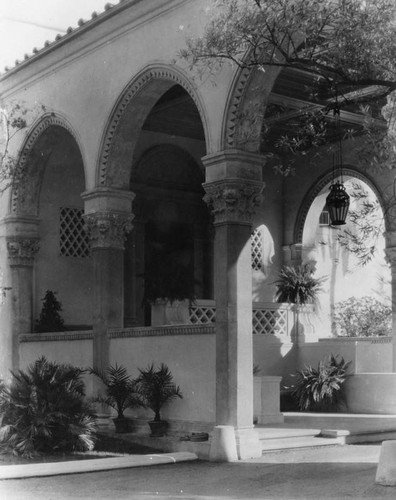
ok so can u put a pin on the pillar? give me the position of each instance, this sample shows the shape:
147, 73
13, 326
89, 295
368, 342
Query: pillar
390, 253
22, 245
233, 190
108, 219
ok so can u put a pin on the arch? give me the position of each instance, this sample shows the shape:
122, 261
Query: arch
246, 108
19, 192
126, 121
319, 186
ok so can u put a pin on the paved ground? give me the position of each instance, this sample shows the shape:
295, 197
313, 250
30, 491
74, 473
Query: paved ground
329, 473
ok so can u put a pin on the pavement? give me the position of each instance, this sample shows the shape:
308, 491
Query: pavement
339, 472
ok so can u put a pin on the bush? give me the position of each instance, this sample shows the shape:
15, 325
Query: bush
362, 317
321, 389
50, 319
297, 285
44, 410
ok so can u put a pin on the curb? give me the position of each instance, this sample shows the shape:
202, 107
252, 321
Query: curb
92, 465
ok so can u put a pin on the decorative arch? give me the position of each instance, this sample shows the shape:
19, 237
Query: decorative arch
246, 108
20, 192
127, 120
319, 186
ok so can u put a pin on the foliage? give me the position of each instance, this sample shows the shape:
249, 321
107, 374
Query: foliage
50, 320
363, 317
44, 410
321, 388
365, 225
15, 119
157, 388
121, 390
346, 43
297, 285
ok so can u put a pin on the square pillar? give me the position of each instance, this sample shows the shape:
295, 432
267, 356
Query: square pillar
233, 191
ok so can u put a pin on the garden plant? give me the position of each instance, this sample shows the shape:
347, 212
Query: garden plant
321, 389
44, 410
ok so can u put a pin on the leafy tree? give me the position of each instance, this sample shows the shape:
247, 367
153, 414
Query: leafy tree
363, 317
346, 43
44, 410
50, 320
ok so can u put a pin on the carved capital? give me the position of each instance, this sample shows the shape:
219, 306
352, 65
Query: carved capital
233, 200
108, 229
21, 251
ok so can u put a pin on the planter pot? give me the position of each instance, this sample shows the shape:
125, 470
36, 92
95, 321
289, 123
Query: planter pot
158, 428
170, 313
122, 425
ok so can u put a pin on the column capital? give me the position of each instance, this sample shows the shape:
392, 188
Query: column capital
233, 163
22, 250
108, 229
233, 200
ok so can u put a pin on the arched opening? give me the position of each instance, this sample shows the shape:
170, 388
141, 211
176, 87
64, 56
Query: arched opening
351, 257
168, 255
63, 263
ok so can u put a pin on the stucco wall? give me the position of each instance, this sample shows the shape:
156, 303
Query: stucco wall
190, 358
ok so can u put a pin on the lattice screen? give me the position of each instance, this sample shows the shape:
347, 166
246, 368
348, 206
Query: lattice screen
257, 250
267, 321
201, 315
73, 239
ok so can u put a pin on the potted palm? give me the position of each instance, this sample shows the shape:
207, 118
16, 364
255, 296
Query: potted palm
121, 393
157, 388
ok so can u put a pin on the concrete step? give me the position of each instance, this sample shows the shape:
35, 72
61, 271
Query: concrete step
282, 439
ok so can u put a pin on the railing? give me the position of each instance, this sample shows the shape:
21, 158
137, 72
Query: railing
268, 318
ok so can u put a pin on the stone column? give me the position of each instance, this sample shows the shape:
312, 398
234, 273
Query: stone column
233, 191
22, 245
108, 218
390, 253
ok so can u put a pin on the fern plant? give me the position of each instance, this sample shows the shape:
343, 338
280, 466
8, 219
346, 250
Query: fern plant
322, 389
297, 285
44, 410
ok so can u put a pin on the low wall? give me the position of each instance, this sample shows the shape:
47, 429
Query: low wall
189, 352
73, 348
371, 393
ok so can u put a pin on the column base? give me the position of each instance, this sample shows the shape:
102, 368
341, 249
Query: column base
230, 444
248, 443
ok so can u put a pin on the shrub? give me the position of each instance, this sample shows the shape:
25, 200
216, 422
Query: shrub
362, 317
321, 389
44, 410
50, 320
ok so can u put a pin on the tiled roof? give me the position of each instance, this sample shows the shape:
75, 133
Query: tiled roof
61, 38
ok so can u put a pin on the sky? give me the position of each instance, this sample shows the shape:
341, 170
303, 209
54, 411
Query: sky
25, 24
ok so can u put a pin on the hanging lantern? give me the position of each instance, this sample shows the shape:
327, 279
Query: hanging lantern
338, 199
337, 204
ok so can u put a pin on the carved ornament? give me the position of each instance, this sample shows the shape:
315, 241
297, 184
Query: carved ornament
233, 201
21, 251
108, 229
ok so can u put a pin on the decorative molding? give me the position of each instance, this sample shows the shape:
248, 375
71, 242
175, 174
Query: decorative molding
21, 251
45, 122
134, 89
161, 331
233, 200
108, 229
55, 336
